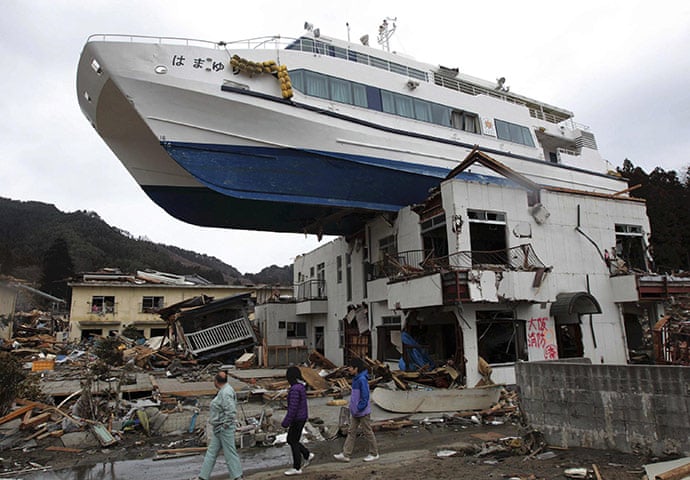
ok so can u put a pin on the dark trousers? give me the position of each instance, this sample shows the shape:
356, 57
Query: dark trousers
299, 451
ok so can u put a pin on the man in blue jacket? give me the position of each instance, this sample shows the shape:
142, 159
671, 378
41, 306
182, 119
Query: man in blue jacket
360, 414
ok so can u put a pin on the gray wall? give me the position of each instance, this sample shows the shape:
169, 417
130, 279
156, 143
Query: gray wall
630, 408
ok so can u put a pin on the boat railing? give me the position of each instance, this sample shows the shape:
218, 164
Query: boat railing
270, 42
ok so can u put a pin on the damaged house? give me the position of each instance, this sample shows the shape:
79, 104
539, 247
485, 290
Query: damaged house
110, 301
209, 328
494, 267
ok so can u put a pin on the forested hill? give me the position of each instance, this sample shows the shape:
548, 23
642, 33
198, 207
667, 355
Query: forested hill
667, 194
28, 230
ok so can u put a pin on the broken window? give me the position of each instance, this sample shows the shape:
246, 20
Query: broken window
501, 338
88, 334
388, 246
151, 304
488, 237
339, 268
319, 340
569, 340
389, 339
321, 280
434, 238
296, 330
630, 246
102, 304
348, 275
159, 332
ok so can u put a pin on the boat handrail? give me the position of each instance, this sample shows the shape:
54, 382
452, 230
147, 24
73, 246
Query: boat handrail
272, 41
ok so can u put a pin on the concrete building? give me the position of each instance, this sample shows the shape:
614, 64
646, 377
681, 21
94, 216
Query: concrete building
111, 301
492, 265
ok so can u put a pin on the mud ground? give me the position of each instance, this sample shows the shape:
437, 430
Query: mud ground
407, 453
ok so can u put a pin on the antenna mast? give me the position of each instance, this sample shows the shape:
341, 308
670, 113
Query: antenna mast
386, 32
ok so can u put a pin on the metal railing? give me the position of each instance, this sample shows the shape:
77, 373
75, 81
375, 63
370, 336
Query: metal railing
311, 290
219, 335
415, 262
273, 41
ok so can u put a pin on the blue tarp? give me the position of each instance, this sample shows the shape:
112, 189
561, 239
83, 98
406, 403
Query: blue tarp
417, 355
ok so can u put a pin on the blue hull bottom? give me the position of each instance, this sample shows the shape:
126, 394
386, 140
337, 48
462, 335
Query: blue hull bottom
207, 208
287, 190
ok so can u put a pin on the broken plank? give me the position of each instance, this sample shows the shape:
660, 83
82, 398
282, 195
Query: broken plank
17, 413
168, 451
597, 475
174, 455
63, 449
33, 421
313, 379
677, 473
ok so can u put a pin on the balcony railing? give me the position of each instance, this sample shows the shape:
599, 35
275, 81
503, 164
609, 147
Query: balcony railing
311, 290
418, 262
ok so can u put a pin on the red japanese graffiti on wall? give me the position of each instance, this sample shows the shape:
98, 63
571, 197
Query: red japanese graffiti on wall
540, 336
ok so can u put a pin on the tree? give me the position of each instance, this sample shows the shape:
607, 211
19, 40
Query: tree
57, 269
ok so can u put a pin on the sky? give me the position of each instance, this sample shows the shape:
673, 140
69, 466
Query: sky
622, 67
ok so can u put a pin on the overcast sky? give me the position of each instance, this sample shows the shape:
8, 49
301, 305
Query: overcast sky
622, 67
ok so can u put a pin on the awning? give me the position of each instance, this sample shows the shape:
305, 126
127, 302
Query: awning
570, 303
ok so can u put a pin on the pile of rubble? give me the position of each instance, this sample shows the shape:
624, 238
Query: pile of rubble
671, 334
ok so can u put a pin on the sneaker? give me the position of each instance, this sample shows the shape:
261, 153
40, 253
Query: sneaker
293, 471
307, 461
341, 457
371, 458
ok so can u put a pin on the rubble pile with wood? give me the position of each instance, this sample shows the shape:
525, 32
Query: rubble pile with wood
671, 334
106, 407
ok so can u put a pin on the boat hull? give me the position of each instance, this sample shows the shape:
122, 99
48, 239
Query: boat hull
437, 400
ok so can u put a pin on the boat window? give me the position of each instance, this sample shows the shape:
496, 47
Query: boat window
337, 52
404, 106
387, 101
422, 110
397, 68
359, 95
307, 44
440, 115
378, 63
341, 91
345, 91
513, 133
466, 121
315, 85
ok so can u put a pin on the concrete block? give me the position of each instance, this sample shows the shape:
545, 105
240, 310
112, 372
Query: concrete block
83, 439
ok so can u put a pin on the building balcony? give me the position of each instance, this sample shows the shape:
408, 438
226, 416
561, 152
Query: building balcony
470, 276
648, 287
311, 297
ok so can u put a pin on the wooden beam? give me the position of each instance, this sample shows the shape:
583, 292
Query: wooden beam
17, 413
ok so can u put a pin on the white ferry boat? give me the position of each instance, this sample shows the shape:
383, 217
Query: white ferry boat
312, 134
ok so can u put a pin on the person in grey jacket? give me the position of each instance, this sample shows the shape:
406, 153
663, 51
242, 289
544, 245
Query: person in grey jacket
223, 412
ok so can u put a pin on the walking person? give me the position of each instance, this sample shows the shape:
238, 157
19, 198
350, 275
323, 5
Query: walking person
295, 418
222, 419
360, 414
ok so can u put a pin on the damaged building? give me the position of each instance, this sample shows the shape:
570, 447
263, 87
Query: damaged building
111, 301
493, 267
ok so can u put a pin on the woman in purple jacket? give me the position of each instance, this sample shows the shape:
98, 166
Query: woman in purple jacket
295, 418
360, 414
